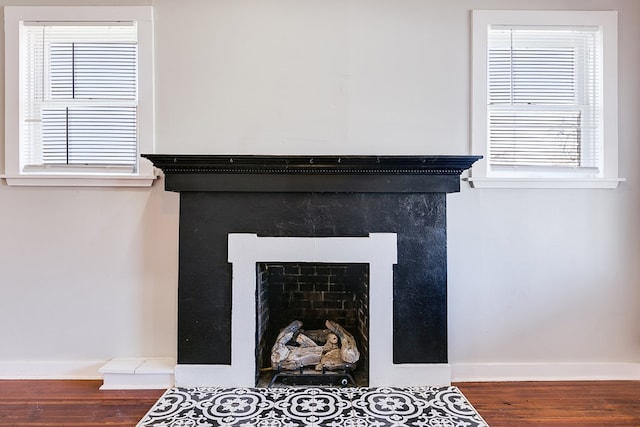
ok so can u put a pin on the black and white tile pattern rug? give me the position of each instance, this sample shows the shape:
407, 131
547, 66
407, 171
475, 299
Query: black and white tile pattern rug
314, 407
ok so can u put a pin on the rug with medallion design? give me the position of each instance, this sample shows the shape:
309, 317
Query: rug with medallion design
314, 407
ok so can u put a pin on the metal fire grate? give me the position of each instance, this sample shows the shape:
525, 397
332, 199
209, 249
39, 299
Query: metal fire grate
302, 376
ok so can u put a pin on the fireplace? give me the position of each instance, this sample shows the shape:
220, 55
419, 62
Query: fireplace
238, 213
311, 293
378, 251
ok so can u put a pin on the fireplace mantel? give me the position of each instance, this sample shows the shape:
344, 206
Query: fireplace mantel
377, 174
310, 197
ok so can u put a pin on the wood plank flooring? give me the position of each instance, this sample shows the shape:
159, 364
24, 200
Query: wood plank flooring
71, 404
80, 403
580, 403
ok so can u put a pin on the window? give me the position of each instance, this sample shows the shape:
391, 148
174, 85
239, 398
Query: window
79, 99
544, 101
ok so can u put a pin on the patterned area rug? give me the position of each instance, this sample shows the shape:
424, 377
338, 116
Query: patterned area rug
313, 406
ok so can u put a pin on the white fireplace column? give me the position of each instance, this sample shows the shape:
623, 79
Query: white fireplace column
379, 250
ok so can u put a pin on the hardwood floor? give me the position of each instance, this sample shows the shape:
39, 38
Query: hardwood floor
80, 403
71, 404
580, 403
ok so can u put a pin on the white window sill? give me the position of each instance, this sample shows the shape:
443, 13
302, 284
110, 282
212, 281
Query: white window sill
41, 180
544, 182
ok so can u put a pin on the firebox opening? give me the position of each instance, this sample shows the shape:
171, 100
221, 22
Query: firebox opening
311, 293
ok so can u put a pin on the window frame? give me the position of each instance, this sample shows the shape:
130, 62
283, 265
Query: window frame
482, 176
145, 173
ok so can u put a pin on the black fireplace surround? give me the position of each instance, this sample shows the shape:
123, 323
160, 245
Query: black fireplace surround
312, 196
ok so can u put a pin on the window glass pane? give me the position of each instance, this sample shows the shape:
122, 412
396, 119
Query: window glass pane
532, 76
82, 95
535, 138
93, 70
542, 97
89, 136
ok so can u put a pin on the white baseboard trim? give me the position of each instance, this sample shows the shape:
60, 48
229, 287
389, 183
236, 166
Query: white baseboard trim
51, 370
460, 372
468, 372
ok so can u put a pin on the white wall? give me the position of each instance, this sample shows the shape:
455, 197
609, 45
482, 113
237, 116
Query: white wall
542, 279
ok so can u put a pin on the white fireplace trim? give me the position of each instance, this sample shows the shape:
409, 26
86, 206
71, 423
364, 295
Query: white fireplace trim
379, 250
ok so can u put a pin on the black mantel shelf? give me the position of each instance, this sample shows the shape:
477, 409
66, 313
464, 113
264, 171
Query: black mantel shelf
276, 173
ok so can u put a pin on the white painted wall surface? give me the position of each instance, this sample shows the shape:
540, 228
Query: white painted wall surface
541, 282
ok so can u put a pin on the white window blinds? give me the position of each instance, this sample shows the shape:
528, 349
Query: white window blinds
544, 89
79, 98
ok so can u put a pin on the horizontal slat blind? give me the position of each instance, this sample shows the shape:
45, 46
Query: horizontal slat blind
84, 113
535, 137
93, 70
88, 136
543, 95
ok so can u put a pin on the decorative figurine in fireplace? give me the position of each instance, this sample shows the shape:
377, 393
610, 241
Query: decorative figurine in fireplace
331, 349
